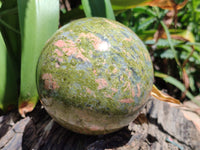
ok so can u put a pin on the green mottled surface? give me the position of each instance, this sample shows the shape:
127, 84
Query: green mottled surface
98, 67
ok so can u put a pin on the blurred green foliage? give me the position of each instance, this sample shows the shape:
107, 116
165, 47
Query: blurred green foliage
146, 21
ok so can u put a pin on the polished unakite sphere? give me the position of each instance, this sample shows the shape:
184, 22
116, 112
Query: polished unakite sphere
94, 75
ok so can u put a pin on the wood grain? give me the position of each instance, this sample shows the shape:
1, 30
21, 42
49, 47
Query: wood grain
157, 123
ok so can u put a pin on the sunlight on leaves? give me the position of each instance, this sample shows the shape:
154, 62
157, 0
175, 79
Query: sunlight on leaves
185, 36
127, 4
164, 4
167, 4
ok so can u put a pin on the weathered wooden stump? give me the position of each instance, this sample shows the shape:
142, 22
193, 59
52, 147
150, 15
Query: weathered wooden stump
159, 126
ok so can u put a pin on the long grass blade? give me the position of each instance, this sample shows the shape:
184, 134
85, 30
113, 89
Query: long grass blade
170, 42
22, 4
174, 82
9, 27
40, 22
8, 79
98, 8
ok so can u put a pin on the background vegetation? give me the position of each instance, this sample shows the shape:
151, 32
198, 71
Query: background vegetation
169, 28
176, 56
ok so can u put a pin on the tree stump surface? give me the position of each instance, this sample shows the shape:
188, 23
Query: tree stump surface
160, 125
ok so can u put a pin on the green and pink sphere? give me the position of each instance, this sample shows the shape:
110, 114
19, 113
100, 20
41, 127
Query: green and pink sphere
94, 75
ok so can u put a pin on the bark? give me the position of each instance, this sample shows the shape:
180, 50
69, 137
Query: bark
159, 126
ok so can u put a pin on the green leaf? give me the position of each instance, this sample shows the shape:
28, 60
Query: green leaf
9, 11
40, 22
75, 13
146, 23
192, 83
170, 42
164, 43
8, 78
168, 54
22, 4
196, 5
174, 82
9, 26
147, 37
145, 10
187, 51
98, 8
197, 45
127, 4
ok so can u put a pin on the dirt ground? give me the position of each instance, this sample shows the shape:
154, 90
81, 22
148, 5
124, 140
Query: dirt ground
159, 126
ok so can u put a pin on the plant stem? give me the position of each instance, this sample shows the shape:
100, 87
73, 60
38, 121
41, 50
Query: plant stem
187, 59
170, 42
9, 26
9, 11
